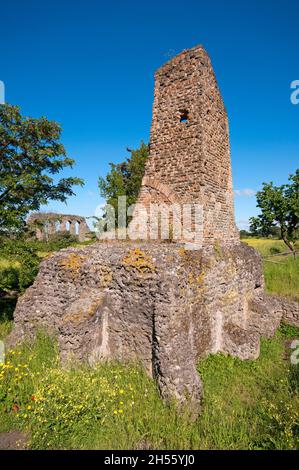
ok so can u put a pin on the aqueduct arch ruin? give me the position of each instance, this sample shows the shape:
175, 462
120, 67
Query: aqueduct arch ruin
49, 223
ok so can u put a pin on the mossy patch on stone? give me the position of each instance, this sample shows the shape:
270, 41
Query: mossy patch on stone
182, 251
139, 260
218, 250
72, 263
106, 276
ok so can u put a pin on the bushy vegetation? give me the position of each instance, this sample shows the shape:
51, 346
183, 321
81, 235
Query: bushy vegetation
279, 207
247, 404
18, 265
20, 258
124, 179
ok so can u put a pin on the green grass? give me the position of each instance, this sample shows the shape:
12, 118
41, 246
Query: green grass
266, 245
281, 272
283, 278
247, 404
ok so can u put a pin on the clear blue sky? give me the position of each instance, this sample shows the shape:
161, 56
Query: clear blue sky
89, 65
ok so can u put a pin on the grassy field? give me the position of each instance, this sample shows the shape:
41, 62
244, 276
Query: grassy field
247, 404
267, 246
281, 272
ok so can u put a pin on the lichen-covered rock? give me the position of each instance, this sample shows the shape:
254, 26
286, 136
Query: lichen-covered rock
290, 311
157, 304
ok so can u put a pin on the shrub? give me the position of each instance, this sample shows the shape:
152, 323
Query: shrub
9, 279
21, 257
21, 267
60, 240
275, 250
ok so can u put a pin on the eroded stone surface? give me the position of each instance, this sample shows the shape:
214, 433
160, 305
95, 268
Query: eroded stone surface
153, 303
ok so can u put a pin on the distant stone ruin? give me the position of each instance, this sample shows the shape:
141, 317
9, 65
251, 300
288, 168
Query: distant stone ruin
158, 303
47, 224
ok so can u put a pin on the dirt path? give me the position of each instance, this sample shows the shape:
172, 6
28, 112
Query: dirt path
13, 440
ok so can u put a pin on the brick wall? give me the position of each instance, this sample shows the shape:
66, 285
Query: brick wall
189, 145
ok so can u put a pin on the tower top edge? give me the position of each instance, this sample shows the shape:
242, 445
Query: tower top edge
197, 51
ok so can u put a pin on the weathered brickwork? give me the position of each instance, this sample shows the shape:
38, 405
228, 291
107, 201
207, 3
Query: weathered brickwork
189, 145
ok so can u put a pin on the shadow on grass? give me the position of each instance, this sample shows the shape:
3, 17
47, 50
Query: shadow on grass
7, 307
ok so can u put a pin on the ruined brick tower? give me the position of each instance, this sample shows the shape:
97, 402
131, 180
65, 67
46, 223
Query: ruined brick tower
189, 145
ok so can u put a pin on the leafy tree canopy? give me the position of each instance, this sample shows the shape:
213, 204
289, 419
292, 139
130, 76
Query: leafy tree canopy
124, 179
30, 155
279, 208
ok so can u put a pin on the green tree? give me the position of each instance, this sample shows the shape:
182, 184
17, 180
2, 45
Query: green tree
279, 208
124, 179
30, 155
245, 234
